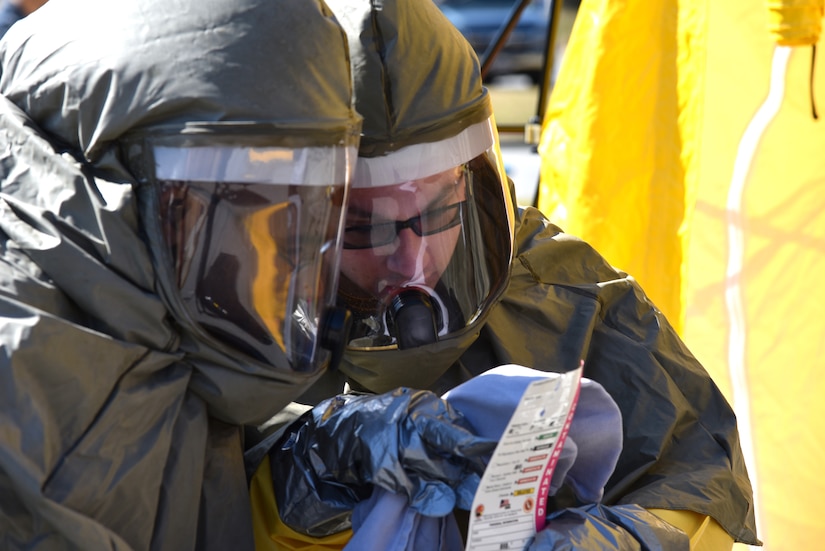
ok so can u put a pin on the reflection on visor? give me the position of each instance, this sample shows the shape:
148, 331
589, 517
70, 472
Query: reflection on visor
308, 166
252, 261
271, 285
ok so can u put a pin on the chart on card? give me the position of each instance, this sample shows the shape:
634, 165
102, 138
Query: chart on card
511, 502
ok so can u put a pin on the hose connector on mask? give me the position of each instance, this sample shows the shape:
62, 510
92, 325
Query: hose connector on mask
415, 320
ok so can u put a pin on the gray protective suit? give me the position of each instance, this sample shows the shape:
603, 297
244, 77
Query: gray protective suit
118, 426
564, 302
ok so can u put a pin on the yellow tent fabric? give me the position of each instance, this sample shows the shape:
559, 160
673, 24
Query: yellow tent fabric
604, 132
668, 146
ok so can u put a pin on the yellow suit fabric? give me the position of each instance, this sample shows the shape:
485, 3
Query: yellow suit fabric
271, 534
666, 146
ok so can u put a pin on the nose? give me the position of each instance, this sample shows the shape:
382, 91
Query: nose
408, 258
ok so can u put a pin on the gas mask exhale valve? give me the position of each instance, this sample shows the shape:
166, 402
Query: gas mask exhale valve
414, 319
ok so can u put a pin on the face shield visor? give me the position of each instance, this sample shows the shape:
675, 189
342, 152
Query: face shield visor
246, 230
427, 240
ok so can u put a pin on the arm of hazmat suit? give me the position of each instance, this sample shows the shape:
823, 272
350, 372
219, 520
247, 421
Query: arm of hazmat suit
405, 441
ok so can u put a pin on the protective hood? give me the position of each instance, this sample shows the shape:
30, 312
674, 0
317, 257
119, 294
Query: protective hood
428, 234
119, 417
417, 80
90, 82
88, 72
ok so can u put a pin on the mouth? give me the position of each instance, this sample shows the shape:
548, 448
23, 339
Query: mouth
391, 291
393, 286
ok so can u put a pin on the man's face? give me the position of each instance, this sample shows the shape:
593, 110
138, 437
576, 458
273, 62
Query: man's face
383, 250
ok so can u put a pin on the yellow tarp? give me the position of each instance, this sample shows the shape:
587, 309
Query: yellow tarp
654, 103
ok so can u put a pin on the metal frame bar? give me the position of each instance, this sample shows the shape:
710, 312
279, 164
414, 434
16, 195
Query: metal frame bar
489, 55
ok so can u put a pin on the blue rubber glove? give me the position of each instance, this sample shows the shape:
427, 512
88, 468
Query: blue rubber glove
405, 441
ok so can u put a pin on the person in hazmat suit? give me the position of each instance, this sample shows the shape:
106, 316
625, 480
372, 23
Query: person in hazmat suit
447, 278
173, 183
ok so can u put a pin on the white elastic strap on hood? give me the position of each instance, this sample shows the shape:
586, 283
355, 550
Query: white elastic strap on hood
310, 166
425, 159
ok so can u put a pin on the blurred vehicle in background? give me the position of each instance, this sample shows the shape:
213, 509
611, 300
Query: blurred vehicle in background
480, 21
516, 98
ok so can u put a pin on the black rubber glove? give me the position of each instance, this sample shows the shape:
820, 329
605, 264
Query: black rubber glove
405, 441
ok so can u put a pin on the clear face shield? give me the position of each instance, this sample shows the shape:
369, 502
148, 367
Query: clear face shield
248, 229
427, 240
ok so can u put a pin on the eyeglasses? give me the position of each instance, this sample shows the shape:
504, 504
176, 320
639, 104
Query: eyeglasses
368, 236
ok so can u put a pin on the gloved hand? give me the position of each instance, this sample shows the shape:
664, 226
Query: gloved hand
405, 441
602, 528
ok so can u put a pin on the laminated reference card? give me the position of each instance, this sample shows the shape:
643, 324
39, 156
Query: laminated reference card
510, 505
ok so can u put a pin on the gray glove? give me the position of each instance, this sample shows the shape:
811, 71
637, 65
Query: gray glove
603, 528
405, 441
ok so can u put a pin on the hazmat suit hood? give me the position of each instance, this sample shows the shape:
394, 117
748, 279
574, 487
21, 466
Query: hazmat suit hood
112, 396
87, 83
417, 83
